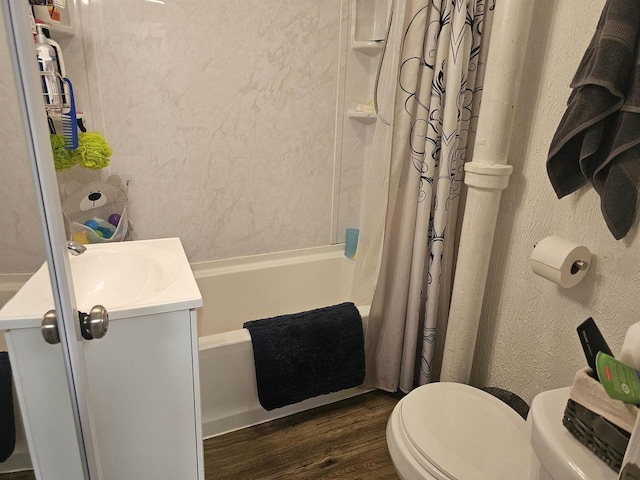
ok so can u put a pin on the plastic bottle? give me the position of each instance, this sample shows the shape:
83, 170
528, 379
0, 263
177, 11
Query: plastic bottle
48, 63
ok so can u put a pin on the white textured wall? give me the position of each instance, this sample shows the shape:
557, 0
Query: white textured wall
21, 246
528, 341
225, 113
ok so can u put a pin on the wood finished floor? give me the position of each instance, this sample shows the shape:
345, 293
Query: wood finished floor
344, 440
18, 476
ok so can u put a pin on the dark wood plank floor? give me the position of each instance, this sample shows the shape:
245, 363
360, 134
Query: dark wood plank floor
344, 440
29, 475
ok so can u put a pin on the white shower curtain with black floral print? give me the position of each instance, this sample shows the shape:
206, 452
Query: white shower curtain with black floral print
439, 71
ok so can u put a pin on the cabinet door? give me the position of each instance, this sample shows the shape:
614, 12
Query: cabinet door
144, 392
149, 432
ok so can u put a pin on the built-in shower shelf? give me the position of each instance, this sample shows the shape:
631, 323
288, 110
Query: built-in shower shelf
59, 30
368, 48
364, 117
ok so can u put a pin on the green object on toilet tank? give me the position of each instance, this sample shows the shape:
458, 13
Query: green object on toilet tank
620, 381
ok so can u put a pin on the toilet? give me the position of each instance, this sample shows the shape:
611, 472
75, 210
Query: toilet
451, 431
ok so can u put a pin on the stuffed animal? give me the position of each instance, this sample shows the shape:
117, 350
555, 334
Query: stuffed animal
96, 212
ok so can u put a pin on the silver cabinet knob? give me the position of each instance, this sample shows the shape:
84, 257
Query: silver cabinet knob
92, 326
49, 328
97, 322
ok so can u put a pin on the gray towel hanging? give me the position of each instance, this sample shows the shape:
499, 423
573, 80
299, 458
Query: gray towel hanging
598, 139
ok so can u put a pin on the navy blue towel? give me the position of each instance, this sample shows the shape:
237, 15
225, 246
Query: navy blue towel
7, 421
307, 354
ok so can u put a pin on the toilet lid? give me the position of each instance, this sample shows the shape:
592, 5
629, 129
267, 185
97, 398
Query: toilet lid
466, 433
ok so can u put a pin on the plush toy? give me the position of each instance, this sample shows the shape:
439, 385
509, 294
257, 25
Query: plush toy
93, 195
89, 207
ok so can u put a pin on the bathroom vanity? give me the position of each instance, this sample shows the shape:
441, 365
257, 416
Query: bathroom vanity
144, 391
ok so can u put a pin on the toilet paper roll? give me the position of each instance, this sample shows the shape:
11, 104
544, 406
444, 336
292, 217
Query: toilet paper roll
561, 261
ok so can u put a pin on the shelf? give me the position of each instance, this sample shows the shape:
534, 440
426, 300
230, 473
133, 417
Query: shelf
61, 28
58, 30
368, 48
364, 117
58, 116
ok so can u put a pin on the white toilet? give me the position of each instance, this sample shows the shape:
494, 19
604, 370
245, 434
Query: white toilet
451, 431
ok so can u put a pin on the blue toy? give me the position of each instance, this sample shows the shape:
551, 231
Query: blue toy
92, 224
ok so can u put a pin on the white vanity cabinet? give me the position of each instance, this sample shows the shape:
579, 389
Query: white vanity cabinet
144, 391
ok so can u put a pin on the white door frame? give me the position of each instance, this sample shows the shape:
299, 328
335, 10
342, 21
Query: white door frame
19, 36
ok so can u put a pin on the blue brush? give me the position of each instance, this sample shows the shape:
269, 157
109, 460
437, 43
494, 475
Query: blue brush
69, 121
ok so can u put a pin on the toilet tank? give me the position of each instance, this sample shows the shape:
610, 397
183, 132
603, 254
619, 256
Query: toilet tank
537, 471
561, 456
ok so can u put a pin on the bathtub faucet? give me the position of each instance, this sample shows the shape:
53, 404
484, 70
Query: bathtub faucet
76, 248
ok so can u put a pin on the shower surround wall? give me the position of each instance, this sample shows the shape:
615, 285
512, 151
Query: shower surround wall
21, 245
225, 113
230, 117
527, 341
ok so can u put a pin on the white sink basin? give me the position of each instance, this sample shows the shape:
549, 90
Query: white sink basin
121, 276
128, 278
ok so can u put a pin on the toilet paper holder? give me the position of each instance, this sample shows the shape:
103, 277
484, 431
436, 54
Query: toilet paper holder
579, 265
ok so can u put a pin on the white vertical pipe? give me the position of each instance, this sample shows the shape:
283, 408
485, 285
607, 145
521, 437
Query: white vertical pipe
486, 176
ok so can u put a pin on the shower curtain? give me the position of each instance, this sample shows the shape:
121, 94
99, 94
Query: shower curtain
432, 79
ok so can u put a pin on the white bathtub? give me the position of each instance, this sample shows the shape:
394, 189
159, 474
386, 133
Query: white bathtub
236, 290
248, 288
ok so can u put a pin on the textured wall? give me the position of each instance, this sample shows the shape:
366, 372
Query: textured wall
21, 246
225, 114
528, 342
